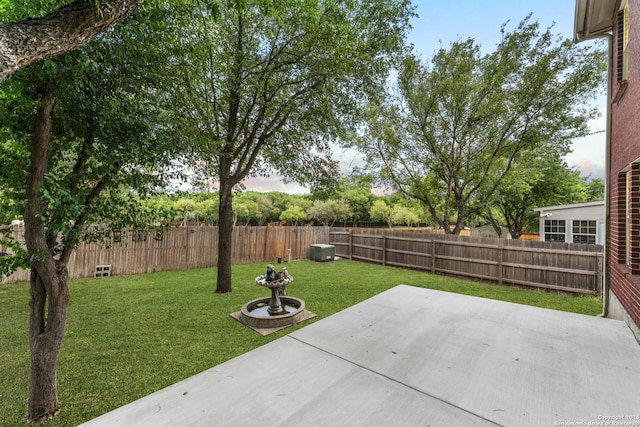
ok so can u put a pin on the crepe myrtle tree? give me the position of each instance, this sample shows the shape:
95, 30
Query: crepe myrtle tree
269, 85
78, 132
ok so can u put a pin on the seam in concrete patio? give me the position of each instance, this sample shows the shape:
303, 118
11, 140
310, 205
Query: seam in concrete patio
427, 394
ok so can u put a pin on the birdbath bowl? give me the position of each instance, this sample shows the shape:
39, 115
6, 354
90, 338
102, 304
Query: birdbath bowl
277, 283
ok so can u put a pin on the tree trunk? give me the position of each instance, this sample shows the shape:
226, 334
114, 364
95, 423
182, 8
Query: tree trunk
49, 278
516, 231
225, 231
496, 227
47, 321
515, 223
69, 27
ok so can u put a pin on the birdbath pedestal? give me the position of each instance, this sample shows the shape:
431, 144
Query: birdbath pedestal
276, 282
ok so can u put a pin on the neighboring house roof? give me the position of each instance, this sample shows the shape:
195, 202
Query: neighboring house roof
574, 206
593, 18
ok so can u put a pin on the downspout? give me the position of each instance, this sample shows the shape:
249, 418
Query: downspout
607, 188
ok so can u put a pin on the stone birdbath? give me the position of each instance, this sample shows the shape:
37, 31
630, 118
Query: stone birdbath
276, 311
277, 282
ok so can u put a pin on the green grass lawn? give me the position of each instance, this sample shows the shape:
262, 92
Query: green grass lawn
129, 336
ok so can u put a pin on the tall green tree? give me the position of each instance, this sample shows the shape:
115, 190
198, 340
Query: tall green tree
206, 210
282, 201
330, 211
538, 179
356, 190
380, 211
404, 215
64, 172
245, 209
293, 214
595, 190
458, 125
268, 85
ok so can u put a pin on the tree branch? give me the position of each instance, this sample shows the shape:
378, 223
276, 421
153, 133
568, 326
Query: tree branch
81, 220
71, 26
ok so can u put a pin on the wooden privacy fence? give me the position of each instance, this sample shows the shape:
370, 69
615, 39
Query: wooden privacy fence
183, 248
561, 266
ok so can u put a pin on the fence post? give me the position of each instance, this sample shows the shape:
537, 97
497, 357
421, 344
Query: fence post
599, 275
351, 243
186, 251
384, 250
266, 241
500, 249
433, 256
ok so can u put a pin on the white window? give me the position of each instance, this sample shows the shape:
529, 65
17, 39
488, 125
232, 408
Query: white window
554, 230
584, 231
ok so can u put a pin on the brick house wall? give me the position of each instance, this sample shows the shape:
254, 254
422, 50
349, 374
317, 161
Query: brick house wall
624, 172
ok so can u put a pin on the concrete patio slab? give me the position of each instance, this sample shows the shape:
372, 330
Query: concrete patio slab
416, 357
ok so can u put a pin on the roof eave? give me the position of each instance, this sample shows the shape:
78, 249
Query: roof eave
593, 19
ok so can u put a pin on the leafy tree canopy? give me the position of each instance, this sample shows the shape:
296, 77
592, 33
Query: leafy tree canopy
459, 124
538, 179
79, 131
267, 86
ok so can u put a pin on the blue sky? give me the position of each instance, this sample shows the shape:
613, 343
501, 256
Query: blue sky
450, 20
442, 22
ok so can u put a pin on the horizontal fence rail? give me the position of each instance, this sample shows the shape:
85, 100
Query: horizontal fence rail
182, 248
568, 267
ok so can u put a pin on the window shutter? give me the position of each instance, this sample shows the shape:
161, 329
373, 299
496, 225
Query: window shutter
620, 50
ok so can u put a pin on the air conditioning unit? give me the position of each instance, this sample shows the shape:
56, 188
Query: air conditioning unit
322, 252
